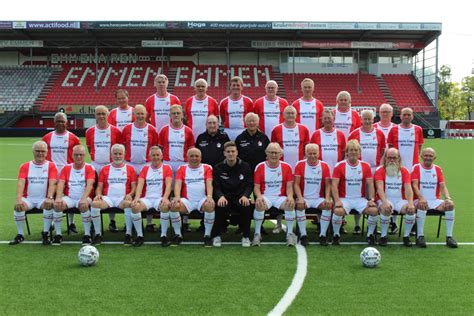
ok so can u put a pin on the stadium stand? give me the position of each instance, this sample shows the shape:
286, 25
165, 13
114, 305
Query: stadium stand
407, 92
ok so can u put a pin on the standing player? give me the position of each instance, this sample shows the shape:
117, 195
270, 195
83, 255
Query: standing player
198, 107
313, 190
35, 189
407, 138
153, 191
273, 187
211, 142
158, 104
428, 182
269, 108
75, 185
193, 192
350, 181
60, 143
394, 195
385, 124
234, 108
115, 188
122, 115
345, 119
308, 109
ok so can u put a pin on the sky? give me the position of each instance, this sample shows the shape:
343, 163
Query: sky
456, 42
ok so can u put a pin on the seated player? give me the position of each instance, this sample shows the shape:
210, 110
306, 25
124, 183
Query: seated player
153, 191
273, 187
394, 195
35, 189
313, 190
350, 180
193, 192
116, 188
428, 182
75, 185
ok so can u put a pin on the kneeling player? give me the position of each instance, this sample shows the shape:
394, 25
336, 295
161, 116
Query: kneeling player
153, 191
116, 188
350, 180
273, 187
75, 185
193, 192
395, 195
428, 181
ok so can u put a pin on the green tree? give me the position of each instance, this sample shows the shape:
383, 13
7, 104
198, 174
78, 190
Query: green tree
467, 89
453, 106
445, 84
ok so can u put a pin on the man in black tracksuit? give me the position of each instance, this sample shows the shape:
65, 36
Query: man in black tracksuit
233, 184
211, 142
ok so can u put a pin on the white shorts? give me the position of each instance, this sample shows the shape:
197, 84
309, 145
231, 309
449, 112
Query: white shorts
151, 203
397, 205
358, 204
432, 204
274, 201
314, 203
192, 205
137, 166
233, 133
98, 166
70, 203
32, 203
113, 201
174, 165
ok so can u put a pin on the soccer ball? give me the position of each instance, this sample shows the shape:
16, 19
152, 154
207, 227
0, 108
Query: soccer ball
88, 256
370, 257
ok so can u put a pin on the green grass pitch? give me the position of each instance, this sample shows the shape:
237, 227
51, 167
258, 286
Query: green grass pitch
191, 279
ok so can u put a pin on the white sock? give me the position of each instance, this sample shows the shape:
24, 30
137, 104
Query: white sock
95, 214
289, 219
47, 220
371, 224
449, 218
165, 222
19, 221
384, 222
86, 222
149, 219
128, 220
70, 217
175, 222
208, 222
357, 219
58, 219
137, 223
409, 221
258, 220
420, 222
324, 222
301, 220
336, 224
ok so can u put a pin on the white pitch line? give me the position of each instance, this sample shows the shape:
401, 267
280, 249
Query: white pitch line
296, 283
29, 145
7, 179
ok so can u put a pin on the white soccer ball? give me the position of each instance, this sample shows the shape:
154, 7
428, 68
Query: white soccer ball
88, 256
370, 257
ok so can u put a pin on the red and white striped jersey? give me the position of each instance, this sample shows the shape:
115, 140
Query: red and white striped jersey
75, 180
393, 186
372, 145
121, 118
407, 141
273, 180
175, 142
385, 129
312, 178
117, 181
270, 113
158, 109
346, 121
293, 141
155, 186
60, 147
138, 142
197, 111
428, 180
99, 141
37, 178
194, 181
331, 146
309, 113
352, 179
233, 112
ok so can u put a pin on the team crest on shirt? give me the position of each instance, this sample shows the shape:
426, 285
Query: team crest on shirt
182, 135
241, 176
107, 135
218, 145
124, 173
44, 171
65, 141
412, 134
259, 143
359, 172
279, 173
